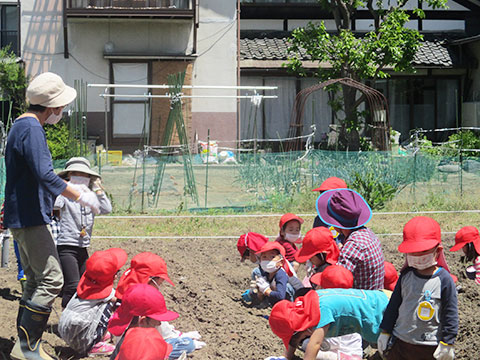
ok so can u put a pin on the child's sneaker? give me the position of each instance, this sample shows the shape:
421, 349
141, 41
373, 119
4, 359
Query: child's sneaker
107, 336
101, 348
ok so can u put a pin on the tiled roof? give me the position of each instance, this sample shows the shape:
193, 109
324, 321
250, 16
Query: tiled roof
430, 53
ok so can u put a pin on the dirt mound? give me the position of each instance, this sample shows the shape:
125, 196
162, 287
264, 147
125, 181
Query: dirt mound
209, 279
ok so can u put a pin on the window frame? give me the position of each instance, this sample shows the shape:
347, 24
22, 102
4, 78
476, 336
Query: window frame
125, 140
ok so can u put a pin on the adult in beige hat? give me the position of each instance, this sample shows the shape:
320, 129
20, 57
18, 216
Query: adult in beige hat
31, 186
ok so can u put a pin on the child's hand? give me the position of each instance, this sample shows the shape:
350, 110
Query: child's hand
97, 185
262, 284
444, 352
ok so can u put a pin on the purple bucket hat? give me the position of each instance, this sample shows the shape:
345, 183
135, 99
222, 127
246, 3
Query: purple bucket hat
343, 208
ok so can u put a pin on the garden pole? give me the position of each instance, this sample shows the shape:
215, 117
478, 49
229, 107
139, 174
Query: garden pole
106, 126
415, 168
5, 247
145, 106
206, 169
460, 153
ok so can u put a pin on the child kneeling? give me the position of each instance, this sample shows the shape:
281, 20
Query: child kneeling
275, 283
83, 323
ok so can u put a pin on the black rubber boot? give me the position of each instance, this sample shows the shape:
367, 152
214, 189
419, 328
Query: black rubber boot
21, 307
32, 323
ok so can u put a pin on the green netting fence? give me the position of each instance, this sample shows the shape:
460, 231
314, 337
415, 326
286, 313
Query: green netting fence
268, 181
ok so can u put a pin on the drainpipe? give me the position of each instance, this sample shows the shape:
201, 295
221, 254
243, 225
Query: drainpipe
238, 75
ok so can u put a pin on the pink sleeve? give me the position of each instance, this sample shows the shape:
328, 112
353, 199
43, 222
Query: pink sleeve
476, 264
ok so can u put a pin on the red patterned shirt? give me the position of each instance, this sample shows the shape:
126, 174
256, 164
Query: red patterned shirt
362, 255
290, 248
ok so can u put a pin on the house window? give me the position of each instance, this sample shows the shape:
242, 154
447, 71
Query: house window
427, 103
9, 27
130, 119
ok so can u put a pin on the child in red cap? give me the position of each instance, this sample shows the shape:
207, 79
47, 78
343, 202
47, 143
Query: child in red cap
391, 276
149, 268
337, 277
275, 283
247, 245
142, 307
468, 239
327, 313
145, 268
330, 183
144, 344
421, 319
318, 250
83, 323
290, 233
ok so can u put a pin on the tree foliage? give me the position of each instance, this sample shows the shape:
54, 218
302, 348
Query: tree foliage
13, 81
388, 45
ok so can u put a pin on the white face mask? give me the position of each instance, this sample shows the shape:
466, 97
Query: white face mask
292, 237
422, 262
80, 180
269, 266
53, 119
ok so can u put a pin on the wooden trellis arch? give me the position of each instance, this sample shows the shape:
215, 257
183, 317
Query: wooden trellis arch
377, 105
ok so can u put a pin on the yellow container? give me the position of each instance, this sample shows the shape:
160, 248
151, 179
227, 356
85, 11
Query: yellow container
114, 157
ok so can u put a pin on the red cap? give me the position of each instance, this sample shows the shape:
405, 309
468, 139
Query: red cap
419, 234
272, 245
332, 183
333, 277
467, 234
391, 276
101, 268
142, 267
144, 344
139, 300
289, 217
251, 241
318, 240
288, 317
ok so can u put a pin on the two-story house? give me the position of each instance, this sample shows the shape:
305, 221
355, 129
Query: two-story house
229, 43
133, 42
446, 77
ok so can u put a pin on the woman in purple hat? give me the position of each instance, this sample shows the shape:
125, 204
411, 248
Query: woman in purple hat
361, 253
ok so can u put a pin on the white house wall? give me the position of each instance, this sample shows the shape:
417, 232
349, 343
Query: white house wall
216, 64
42, 47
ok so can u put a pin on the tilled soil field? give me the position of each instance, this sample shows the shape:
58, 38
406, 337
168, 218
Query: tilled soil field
209, 279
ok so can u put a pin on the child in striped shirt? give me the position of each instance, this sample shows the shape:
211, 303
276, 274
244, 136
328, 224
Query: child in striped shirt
289, 235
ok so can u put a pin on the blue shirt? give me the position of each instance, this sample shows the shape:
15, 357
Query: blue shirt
352, 311
31, 185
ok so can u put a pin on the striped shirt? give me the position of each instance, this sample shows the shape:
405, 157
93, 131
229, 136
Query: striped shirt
290, 248
362, 255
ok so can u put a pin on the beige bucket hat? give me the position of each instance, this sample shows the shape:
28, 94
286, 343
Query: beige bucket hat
49, 90
79, 164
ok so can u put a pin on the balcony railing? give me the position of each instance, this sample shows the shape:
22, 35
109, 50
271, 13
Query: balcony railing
98, 8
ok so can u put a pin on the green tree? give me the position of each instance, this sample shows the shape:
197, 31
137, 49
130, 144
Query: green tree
13, 81
388, 45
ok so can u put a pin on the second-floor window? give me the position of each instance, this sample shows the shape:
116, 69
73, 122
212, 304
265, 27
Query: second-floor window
9, 27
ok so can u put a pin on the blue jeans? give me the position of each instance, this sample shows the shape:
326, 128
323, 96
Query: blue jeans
179, 345
20, 274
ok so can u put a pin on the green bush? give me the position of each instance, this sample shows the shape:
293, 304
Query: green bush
375, 192
13, 81
61, 143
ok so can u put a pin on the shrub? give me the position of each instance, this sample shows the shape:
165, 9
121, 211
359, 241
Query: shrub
375, 192
60, 141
